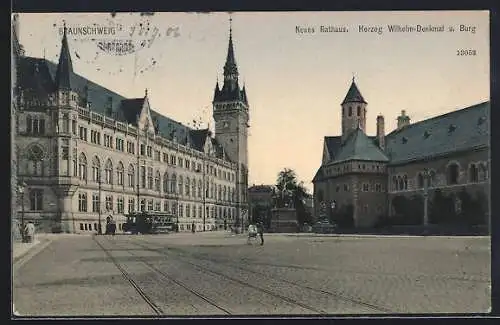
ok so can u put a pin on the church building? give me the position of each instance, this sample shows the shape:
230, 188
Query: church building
370, 176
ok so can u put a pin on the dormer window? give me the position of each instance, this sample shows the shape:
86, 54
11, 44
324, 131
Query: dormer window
404, 140
451, 128
427, 134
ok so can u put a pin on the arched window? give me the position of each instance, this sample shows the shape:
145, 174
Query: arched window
96, 165
165, 182
157, 181
35, 157
173, 184
131, 176
188, 186
420, 180
119, 173
452, 174
359, 110
82, 167
108, 169
483, 172
473, 173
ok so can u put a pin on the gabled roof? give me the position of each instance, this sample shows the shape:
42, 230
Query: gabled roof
131, 109
353, 95
198, 138
333, 144
358, 146
463, 129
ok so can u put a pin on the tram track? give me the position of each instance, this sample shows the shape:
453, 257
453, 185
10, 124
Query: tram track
163, 275
342, 297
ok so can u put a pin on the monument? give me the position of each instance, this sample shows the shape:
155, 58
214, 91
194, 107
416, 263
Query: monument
284, 214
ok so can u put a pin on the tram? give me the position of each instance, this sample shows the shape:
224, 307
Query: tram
150, 222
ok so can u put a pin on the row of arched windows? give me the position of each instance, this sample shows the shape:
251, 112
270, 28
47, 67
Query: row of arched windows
168, 183
477, 172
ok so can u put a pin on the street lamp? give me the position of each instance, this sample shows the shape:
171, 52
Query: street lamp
426, 177
20, 188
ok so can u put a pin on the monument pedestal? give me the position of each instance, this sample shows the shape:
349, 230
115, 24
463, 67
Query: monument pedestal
283, 220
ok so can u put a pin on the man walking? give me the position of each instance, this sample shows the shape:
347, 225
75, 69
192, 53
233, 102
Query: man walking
260, 230
29, 231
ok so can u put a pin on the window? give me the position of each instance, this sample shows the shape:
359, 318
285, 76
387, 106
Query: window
359, 110
109, 203
181, 210
150, 205
180, 162
81, 226
149, 151
36, 200
158, 206
165, 206
157, 181
366, 187
165, 182
180, 185
165, 158
483, 172
346, 188
131, 176
82, 167
200, 212
337, 188
193, 188
188, 211
131, 205
108, 169
193, 207
173, 160
350, 111
108, 141
96, 166
150, 178
83, 133
119, 144
473, 174
65, 123
95, 202
82, 202
143, 149
378, 187
157, 155
120, 204
143, 176
188, 185
130, 147
143, 205
119, 173
173, 184
199, 188
73, 127
35, 160
188, 164
453, 174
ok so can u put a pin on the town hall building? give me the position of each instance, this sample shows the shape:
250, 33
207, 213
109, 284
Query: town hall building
441, 156
85, 152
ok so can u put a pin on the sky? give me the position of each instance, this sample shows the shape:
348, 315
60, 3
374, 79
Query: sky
295, 81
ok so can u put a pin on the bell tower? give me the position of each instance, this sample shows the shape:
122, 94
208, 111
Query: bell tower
353, 111
231, 115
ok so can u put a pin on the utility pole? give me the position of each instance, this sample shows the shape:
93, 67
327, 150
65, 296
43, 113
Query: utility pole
426, 176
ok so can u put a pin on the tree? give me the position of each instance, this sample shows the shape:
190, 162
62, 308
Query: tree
291, 193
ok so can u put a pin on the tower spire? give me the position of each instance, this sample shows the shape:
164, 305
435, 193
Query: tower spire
65, 66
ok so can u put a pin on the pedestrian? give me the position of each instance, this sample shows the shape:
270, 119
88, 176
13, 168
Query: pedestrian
260, 230
113, 226
108, 225
193, 228
29, 232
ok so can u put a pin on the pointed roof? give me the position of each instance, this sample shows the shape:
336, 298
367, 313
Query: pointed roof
358, 146
353, 95
230, 65
65, 66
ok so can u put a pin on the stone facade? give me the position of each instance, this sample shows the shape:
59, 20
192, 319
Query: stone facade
84, 158
452, 148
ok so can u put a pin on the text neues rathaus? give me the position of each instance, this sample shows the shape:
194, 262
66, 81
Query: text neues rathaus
85, 150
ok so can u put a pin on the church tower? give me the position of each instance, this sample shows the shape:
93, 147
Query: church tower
353, 111
230, 112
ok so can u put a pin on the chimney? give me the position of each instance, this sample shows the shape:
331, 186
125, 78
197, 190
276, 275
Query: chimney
403, 120
381, 132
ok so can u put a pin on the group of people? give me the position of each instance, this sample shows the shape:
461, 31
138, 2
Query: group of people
255, 229
110, 226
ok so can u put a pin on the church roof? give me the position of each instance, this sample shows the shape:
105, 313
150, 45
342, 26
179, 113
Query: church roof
358, 146
463, 129
353, 95
65, 65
